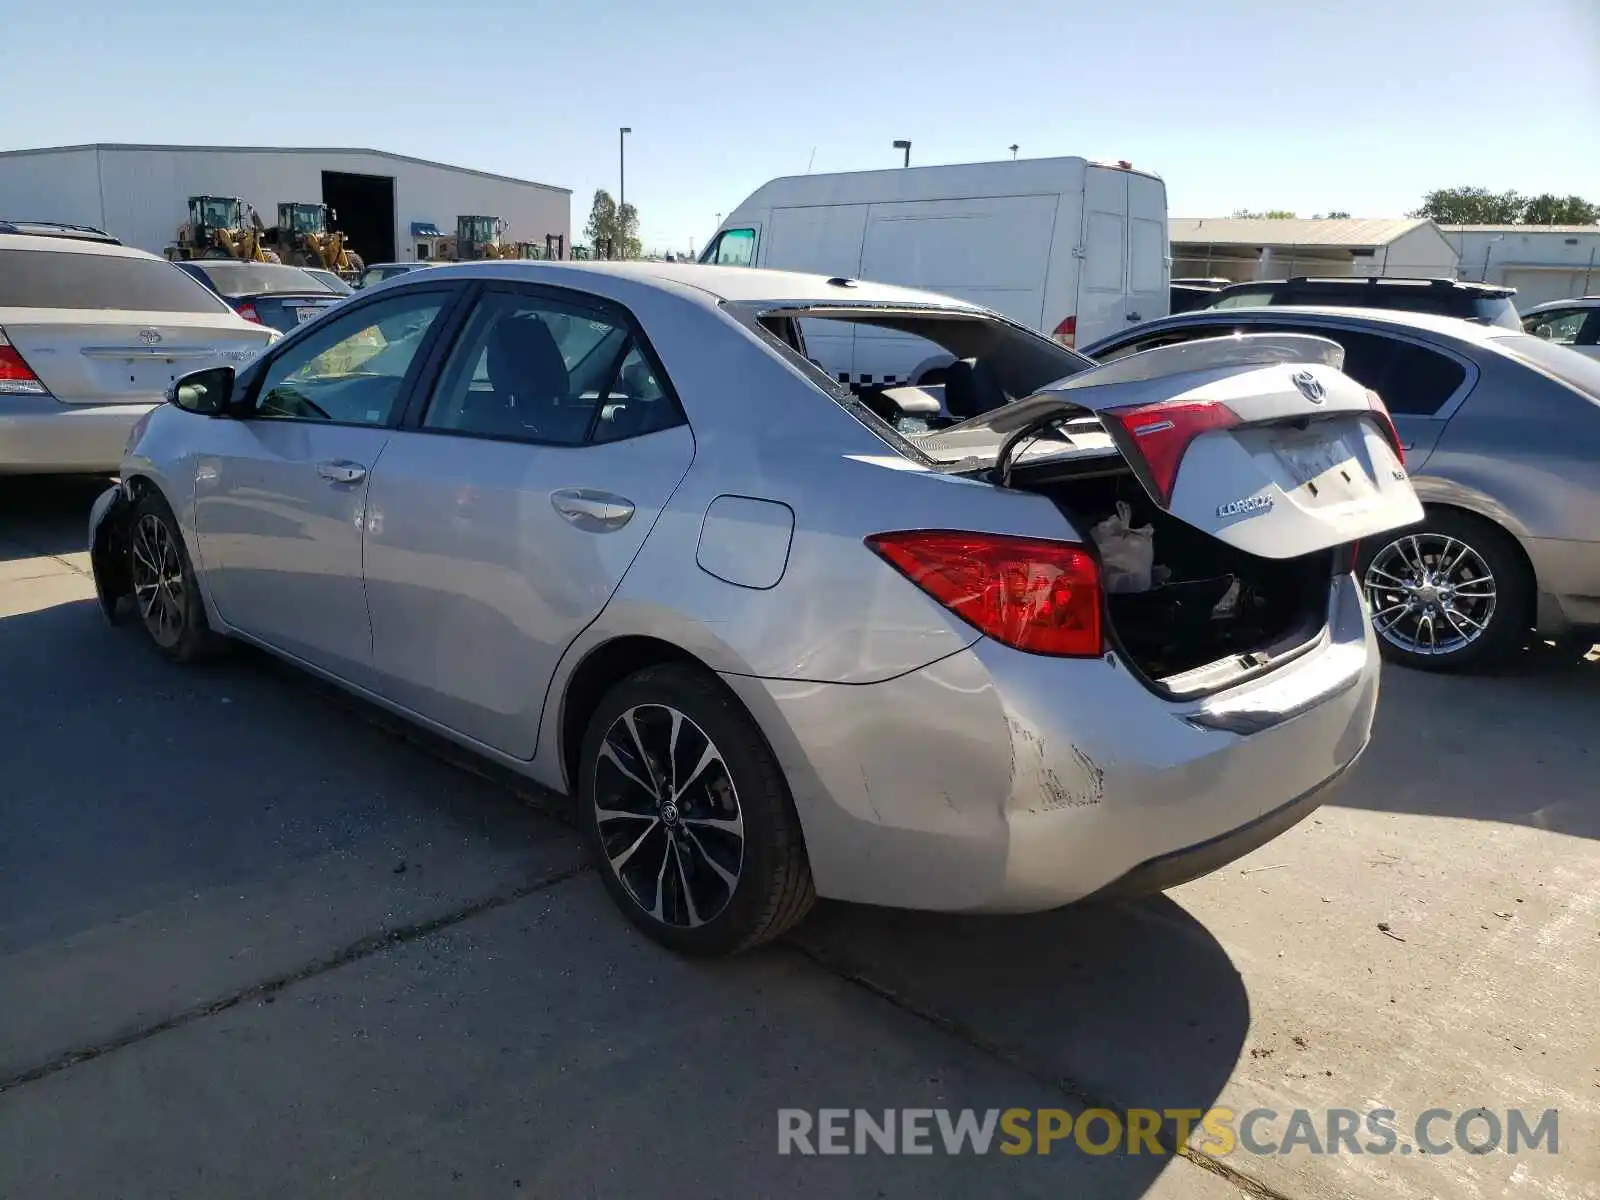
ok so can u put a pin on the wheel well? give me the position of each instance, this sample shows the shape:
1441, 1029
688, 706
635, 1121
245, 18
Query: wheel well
606, 665
1506, 535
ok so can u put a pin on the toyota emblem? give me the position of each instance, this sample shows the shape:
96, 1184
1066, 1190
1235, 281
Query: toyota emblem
149, 336
1310, 386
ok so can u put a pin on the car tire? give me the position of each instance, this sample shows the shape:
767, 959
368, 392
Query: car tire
1476, 621
688, 816
166, 596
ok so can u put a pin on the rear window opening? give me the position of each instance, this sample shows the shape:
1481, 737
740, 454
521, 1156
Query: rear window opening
1214, 614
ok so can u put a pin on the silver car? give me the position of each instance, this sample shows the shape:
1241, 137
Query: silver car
1502, 438
1040, 632
92, 334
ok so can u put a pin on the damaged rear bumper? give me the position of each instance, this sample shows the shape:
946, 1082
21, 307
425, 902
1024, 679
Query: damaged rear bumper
997, 781
108, 549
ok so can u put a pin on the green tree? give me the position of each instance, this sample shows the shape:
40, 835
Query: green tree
601, 231
1472, 206
1335, 215
1550, 209
1271, 214
612, 232
627, 226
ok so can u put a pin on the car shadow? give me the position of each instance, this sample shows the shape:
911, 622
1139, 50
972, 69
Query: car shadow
46, 515
1120, 1004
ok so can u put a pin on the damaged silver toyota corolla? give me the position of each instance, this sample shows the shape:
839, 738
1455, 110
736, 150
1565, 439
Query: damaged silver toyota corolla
1027, 631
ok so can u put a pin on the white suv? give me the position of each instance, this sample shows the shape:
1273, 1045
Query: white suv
1571, 323
92, 334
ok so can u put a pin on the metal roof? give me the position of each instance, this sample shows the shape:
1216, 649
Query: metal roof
1567, 229
421, 162
1290, 231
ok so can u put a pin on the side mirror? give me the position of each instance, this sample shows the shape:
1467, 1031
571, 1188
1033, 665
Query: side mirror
205, 392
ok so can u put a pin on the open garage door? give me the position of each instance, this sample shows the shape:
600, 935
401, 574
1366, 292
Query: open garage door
365, 208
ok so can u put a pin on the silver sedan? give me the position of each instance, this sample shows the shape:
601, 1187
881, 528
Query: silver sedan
1502, 439
1038, 632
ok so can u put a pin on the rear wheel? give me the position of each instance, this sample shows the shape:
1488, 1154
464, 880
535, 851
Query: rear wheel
162, 580
1448, 594
688, 815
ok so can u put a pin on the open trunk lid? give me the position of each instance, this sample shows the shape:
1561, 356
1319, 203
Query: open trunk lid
1258, 440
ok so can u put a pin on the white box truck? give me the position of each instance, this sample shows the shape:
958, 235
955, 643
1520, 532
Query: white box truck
1074, 248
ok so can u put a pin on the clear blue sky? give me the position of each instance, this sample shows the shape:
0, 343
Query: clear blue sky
1359, 105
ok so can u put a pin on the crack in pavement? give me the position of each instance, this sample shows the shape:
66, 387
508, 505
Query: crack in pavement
972, 1037
372, 944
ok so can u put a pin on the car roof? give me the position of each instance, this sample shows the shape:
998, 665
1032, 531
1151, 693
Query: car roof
1453, 327
715, 284
1413, 282
67, 245
1575, 302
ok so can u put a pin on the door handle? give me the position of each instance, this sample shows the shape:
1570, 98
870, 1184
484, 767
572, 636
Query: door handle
597, 512
342, 471
1135, 316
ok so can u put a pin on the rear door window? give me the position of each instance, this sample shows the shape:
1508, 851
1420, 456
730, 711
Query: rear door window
62, 279
1419, 381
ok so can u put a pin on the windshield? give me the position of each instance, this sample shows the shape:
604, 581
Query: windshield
1570, 367
61, 279
257, 279
222, 213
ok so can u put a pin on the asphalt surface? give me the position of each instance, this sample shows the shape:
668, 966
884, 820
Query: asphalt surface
255, 940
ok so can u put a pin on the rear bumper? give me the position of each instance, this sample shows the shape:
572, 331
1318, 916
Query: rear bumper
999, 781
39, 435
1181, 866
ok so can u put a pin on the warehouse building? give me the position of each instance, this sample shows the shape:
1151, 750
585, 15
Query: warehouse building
140, 193
1246, 248
1543, 262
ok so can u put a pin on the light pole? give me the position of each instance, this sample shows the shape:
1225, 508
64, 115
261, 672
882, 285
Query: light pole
902, 144
1013, 149
622, 181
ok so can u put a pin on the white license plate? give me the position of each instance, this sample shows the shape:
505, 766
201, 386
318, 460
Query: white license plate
302, 315
1308, 458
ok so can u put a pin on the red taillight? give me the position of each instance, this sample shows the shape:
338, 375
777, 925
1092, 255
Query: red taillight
1034, 595
1159, 434
16, 376
1386, 423
1067, 332
248, 312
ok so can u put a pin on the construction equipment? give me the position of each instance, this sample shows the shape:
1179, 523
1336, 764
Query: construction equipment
476, 237
302, 238
220, 227
550, 251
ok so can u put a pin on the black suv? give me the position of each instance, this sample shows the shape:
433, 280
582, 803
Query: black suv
1481, 302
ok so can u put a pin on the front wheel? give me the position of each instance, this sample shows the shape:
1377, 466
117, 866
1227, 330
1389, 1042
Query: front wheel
163, 583
1448, 594
688, 815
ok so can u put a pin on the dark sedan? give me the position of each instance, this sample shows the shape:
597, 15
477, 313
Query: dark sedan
281, 298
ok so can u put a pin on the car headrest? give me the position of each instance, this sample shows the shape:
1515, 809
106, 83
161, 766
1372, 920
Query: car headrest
523, 360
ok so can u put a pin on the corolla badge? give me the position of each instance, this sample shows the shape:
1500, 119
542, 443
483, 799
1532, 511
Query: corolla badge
1249, 504
1310, 386
149, 336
